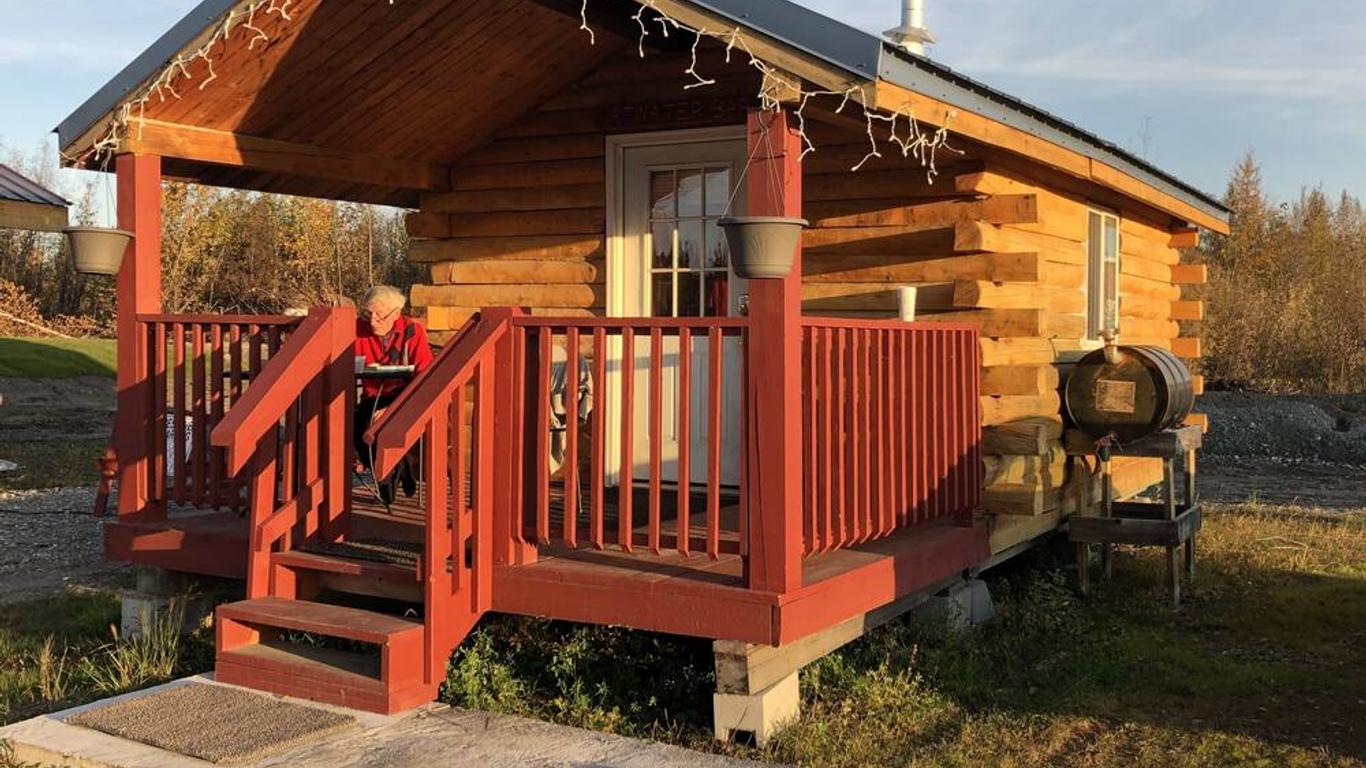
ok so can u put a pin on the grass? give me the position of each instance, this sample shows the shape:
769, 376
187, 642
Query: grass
64, 651
1265, 666
52, 464
48, 358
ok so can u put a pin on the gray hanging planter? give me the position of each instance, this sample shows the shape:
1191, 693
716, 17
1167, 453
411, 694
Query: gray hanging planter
97, 250
762, 246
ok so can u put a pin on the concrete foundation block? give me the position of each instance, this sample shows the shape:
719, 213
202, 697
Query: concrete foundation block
758, 715
961, 606
157, 595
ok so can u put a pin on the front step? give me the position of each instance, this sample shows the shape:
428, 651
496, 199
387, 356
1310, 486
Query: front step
252, 652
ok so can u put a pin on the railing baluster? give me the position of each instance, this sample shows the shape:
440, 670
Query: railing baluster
809, 531
875, 437
844, 444
656, 381
178, 336
682, 521
828, 440
571, 438
597, 468
436, 549
715, 349
216, 471
519, 398
625, 524
157, 478
459, 489
543, 419
235, 368
200, 444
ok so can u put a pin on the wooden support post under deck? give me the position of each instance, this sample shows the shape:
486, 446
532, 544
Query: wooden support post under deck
138, 292
775, 347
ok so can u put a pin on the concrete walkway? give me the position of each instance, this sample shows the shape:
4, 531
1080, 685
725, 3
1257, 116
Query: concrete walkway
433, 736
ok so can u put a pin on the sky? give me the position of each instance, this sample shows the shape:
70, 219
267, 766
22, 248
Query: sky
1190, 85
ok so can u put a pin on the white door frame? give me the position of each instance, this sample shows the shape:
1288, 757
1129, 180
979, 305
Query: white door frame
617, 287
616, 192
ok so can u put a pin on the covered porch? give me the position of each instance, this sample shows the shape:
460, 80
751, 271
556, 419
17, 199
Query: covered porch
737, 470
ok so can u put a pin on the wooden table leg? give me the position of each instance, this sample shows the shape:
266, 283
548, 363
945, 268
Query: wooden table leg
1190, 502
1107, 499
1169, 497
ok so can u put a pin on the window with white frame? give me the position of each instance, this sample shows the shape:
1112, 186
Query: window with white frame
1102, 277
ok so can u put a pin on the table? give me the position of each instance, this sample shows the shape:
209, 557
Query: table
1171, 523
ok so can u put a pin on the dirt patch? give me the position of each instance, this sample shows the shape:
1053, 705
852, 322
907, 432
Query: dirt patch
56, 409
1292, 449
53, 542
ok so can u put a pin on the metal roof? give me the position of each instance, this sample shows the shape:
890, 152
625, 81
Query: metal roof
863, 55
18, 188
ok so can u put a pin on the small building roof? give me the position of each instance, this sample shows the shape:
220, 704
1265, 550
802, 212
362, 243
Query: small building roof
18, 188
26, 204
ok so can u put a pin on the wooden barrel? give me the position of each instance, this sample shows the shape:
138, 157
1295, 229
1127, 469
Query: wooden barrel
1148, 390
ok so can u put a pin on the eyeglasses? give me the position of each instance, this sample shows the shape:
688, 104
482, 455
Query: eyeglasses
382, 317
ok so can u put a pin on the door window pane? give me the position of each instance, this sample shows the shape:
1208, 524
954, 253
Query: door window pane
662, 295
662, 195
718, 249
689, 193
689, 294
718, 294
718, 191
690, 245
662, 245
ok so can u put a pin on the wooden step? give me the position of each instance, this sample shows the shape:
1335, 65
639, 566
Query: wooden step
320, 619
253, 652
331, 676
344, 566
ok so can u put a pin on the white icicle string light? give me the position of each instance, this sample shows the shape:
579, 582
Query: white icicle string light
917, 144
164, 84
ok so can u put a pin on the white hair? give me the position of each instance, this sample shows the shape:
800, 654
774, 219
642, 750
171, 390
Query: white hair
385, 296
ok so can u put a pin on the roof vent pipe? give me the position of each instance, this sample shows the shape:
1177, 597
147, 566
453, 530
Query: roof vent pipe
912, 34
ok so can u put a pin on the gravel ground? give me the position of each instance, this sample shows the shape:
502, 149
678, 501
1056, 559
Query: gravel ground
52, 542
1285, 449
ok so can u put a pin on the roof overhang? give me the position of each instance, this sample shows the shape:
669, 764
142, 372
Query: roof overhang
819, 50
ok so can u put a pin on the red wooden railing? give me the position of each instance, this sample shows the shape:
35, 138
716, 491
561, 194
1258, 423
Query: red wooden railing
890, 428
199, 368
288, 437
653, 491
451, 409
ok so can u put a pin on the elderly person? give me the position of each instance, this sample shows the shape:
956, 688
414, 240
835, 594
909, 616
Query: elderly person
384, 337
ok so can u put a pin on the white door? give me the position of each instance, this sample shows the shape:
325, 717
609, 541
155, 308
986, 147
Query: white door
674, 262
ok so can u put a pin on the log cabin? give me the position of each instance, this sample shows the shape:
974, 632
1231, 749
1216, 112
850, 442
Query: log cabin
764, 463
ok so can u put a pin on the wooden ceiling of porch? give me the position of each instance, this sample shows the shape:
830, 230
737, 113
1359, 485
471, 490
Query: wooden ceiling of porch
369, 101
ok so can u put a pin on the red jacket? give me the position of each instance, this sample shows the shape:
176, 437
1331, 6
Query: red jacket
406, 344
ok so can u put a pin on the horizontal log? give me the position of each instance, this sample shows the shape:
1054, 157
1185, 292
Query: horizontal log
984, 182
427, 225
495, 271
878, 299
998, 323
1021, 500
987, 295
550, 296
539, 149
1136, 305
1160, 290
1020, 380
1010, 408
1048, 470
878, 240
528, 176
872, 185
1198, 384
975, 236
454, 318
516, 200
1143, 328
1190, 274
1188, 348
574, 221
1009, 209
901, 270
1188, 310
1135, 266
1185, 238
1029, 351
1143, 249
533, 248
1026, 437
1200, 420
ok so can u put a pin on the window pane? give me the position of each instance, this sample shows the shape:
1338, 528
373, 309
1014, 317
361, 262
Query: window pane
689, 294
718, 250
690, 193
1111, 237
662, 195
662, 245
1111, 319
662, 295
718, 294
718, 191
690, 245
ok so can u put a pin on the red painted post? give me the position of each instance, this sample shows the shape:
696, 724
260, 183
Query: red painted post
775, 367
138, 292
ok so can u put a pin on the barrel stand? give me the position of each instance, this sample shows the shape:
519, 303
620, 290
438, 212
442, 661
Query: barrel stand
1169, 523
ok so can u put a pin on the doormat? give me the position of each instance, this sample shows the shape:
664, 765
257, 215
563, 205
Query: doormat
222, 725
